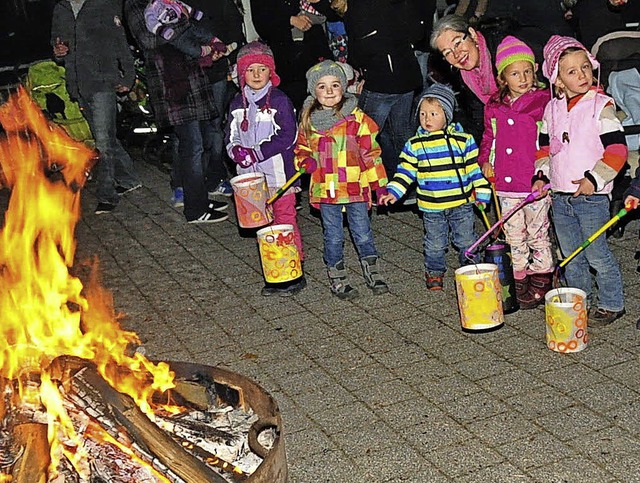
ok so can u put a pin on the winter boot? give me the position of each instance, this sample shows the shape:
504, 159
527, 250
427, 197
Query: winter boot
522, 287
373, 277
339, 285
539, 285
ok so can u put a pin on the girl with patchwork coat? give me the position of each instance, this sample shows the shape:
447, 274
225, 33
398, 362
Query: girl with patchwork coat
337, 146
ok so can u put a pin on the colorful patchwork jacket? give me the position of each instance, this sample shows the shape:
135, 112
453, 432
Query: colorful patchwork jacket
348, 157
444, 164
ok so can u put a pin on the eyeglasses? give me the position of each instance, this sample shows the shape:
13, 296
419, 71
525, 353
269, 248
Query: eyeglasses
455, 46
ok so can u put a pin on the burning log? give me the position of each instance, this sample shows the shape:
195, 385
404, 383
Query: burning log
144, 431
31, 466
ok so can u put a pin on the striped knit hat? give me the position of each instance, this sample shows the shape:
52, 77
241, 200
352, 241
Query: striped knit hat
552, 51
444, 95
512, 50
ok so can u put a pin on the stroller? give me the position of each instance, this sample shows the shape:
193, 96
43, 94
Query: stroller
46, 83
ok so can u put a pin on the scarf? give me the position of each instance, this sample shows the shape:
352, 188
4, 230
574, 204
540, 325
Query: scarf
481, 80
325, 119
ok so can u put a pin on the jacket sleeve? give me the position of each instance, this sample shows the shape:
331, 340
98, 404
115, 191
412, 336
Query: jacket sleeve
406, 172
615, 148
488, 138
371, 153
124, 55
61, 26
231, 129
480, 184
285, 136
302, 149
134, 14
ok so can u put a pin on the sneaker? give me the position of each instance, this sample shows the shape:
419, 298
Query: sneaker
122, 190
601, 317
177, 198
103, 208
223, 189
210, 216
434, 282
218, 205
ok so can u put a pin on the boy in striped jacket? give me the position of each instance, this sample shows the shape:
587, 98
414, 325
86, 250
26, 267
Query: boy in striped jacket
442, 159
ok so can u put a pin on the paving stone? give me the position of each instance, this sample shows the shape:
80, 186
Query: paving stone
382, 388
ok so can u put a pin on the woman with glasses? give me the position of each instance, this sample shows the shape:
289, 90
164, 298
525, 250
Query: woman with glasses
466, 50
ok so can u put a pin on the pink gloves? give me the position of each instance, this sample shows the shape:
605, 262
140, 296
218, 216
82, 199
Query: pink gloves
244, 157
309, 165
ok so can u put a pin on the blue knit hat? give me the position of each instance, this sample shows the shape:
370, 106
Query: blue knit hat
444, 95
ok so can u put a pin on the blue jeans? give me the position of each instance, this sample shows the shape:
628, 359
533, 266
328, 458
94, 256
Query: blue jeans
423, 62
575, 220
393, 115
194, 138
333, 231
115, 167
436, 236
215, 167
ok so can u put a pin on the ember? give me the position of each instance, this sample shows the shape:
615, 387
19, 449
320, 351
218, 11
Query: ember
77, 401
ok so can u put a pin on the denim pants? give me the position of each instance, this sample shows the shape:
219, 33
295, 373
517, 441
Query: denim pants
333, 231
215, 162
194, 138
115, 167
436, 235
575, 220
393, 115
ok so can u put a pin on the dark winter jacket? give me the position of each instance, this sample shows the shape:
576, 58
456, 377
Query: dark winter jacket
99, 57
178, 88
272, 18
381, 37
223, 19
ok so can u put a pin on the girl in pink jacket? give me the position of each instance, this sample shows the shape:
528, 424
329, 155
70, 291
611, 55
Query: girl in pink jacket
507, 157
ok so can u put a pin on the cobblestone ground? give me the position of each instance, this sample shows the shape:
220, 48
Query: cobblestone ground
382, 388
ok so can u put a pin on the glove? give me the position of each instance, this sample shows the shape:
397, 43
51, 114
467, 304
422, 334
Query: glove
244, 157
309, 165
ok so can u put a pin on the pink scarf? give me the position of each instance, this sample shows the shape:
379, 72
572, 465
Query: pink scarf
481, 80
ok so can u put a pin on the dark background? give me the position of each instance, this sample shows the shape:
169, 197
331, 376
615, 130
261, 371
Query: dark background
24, 35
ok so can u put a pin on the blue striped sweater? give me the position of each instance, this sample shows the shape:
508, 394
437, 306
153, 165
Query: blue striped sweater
444, 164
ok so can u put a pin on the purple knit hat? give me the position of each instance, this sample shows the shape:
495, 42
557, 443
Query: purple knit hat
552, 51
512, 50
256, 53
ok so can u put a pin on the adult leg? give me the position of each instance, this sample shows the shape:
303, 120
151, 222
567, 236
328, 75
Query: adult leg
115, 166
378, 107
190, 151
216, 170
400, 128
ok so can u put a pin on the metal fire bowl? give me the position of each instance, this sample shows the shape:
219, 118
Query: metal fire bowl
274, 467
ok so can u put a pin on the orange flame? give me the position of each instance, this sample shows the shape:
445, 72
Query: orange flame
46, 312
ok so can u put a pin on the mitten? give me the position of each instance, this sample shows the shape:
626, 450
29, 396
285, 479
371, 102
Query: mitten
244, 157
309, 165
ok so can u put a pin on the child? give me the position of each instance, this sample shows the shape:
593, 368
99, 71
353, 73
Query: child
508, 153
582, 149
337, 145
172, 20
442, 159
260, 137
